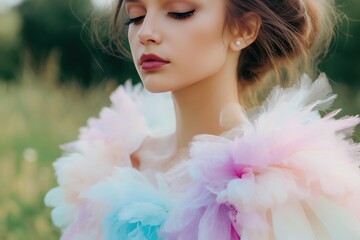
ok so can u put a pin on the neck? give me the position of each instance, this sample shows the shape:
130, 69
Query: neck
198, 106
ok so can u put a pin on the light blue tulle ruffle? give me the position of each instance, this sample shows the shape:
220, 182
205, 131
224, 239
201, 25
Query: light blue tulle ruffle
138, 208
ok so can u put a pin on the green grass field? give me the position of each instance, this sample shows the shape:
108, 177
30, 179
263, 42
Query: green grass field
35, 118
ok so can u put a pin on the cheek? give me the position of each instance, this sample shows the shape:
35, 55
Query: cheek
202, 48
135, 47
131, 40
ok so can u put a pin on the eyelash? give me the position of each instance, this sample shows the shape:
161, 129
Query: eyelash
134, 20
176, 15
182, 15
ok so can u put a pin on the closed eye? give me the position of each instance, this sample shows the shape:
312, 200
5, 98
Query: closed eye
176, 15
136, 20
181, 15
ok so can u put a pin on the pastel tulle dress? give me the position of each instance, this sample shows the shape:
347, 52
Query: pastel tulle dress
281, 172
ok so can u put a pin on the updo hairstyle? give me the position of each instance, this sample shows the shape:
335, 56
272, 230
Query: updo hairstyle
292, 36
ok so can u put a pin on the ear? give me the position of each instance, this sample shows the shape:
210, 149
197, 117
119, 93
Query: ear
246, 32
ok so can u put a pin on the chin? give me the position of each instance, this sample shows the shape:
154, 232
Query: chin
156, 85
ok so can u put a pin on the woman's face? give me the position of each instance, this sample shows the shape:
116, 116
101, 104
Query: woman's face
176, 43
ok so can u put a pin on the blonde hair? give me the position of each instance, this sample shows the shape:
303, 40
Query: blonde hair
293, 36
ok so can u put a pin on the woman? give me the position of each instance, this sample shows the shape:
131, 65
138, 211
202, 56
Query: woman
278, 171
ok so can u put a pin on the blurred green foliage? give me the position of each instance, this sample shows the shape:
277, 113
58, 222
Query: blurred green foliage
62, 26
49, 25
342, 64
10, 52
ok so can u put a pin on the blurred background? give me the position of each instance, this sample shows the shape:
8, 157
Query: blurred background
53, 77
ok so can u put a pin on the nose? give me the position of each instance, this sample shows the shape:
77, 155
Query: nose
149, 32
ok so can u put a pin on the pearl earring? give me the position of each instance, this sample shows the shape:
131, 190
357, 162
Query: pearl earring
238, 43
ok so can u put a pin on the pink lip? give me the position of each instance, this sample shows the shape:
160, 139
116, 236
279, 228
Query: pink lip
151, 62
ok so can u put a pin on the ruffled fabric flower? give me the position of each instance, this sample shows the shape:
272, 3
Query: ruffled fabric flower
283, 173
126, 205
133, 207
123, 122
107, 142
198, 215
